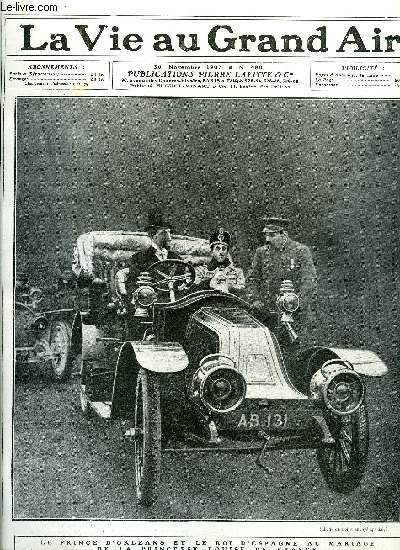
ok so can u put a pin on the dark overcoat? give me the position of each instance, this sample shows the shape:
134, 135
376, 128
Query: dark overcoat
271, 266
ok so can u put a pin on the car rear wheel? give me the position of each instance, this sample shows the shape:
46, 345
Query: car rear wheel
81, 370
83, 400
147, 437
343, 464
60, 338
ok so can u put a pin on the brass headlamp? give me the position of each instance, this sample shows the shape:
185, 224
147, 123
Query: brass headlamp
287, 300
144, 296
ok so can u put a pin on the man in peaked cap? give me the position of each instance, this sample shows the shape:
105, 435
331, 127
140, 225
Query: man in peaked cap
159, 231
220, 273
281, 258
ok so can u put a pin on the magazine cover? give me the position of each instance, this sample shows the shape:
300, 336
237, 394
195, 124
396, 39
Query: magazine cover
200, 279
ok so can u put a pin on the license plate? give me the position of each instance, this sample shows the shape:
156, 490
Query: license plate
271, 420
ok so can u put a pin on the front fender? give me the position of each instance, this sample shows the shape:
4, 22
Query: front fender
364, 362
165, 357
162, 358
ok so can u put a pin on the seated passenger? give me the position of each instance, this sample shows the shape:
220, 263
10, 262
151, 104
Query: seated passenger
220, 273
159, 232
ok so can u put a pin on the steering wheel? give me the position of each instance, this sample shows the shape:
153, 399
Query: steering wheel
172, 276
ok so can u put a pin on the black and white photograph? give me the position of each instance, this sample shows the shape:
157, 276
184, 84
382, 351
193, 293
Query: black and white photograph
206, 309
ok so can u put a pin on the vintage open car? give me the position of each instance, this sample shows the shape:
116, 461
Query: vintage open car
41, 337
195, 370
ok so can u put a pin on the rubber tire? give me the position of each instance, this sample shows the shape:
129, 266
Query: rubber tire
83, 401
346, 481
65, 372
147, 448
78, 367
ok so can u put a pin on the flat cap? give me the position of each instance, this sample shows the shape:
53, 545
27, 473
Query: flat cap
272, 222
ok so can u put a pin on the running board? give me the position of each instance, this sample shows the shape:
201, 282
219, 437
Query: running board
263, 446
103, 409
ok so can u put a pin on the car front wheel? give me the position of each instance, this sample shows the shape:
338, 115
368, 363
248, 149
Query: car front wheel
343, 464
147, 437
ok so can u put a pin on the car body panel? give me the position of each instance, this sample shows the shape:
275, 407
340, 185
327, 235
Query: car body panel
254, 350
93, 343
200, 295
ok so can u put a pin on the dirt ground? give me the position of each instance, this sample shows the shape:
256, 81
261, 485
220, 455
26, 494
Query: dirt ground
67, 466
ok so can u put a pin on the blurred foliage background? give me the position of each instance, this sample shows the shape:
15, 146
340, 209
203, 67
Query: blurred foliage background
331, 166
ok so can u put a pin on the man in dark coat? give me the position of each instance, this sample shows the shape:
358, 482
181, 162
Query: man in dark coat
281, 258
159, 232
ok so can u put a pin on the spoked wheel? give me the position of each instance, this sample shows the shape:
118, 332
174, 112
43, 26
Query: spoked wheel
147, 437
79, 368
83, 400
60, 337
343, 464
